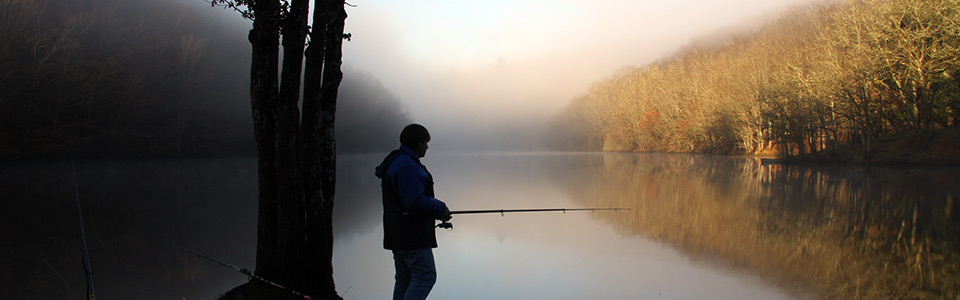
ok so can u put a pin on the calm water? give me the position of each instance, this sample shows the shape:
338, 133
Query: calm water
701, 227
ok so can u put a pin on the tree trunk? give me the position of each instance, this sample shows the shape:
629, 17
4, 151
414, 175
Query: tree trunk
265, 41
296, 155
322, 81
291, 242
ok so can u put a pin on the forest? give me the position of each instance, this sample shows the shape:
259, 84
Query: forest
132, 78
820, 79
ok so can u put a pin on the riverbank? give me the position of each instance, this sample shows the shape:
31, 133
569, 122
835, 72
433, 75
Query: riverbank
933, 147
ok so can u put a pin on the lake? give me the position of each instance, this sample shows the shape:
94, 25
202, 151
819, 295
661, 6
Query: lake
700, 227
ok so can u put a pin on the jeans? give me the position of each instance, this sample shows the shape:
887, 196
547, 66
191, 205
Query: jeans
416, 274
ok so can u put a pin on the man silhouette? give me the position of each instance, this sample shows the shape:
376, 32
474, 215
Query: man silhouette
409, 214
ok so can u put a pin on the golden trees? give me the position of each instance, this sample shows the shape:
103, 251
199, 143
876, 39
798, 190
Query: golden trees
818, 77
890, 63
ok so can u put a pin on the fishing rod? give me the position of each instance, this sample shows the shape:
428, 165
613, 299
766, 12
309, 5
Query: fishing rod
449, 226
241, 270
502, 211
83, 236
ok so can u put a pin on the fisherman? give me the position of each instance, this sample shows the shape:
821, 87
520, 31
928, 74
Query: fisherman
409, 213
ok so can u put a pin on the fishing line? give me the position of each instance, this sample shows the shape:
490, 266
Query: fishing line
243, 271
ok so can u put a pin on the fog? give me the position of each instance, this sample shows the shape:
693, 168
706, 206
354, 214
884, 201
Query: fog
476, 73
487, 75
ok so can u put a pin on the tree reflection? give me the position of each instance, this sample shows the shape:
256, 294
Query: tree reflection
832, 232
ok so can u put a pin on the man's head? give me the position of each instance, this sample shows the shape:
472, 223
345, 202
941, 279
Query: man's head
416, 137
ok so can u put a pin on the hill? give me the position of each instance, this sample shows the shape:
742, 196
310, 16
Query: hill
137, 78
825, 81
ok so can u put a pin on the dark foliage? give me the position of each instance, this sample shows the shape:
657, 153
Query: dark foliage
128, 78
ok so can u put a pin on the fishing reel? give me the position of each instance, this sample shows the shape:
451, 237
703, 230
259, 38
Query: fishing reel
445, 225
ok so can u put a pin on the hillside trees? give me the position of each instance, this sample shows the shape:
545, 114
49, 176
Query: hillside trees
893, 64
132, 78
819, 77
93, 78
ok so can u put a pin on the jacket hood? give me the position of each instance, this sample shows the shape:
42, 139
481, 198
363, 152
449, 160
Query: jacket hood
382, 168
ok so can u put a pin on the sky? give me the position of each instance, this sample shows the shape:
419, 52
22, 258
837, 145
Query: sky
476, 68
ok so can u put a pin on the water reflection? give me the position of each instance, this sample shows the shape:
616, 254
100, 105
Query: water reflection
133, 211
825, 232
538, 256
702, 227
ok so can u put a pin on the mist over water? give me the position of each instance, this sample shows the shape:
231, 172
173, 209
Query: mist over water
535, 256
489, 76
700, 227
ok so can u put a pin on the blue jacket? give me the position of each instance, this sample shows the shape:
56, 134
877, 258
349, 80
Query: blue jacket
409, 206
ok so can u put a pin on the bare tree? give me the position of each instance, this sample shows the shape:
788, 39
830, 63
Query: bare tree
295, 149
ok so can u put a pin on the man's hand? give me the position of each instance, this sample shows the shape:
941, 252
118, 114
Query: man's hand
446, 215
